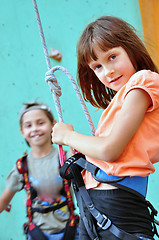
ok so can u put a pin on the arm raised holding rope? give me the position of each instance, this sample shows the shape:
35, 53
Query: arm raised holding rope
107, 148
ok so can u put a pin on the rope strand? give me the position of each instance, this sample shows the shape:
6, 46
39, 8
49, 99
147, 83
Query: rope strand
53, 84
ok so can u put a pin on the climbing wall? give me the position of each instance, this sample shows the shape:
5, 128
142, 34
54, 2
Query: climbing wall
22, 74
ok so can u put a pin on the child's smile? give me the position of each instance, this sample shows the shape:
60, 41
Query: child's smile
36, 135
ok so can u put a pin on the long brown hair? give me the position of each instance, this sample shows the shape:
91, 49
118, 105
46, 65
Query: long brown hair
107, 32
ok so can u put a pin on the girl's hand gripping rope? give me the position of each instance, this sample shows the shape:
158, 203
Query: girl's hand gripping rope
61, 133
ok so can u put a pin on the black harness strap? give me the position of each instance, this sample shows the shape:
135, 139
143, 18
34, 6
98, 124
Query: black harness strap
80, 160
49, 209
72, 170
35, 232
102, 220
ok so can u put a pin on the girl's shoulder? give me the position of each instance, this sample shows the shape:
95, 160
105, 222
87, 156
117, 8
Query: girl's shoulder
14, 180
147, 81
144, 77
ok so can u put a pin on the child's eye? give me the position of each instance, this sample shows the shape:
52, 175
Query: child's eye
96, 67
27, 125
112, 57
41, 123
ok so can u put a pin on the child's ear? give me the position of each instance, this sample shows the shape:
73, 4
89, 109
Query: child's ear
54, 122
21, 131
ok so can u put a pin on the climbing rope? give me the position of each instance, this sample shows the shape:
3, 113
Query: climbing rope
53, 84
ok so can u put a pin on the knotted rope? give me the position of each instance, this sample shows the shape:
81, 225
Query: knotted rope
54, 87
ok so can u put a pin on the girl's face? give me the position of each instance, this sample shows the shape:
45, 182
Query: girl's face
36, 128
113, 67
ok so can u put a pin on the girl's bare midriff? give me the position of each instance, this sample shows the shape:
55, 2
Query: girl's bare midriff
105, 186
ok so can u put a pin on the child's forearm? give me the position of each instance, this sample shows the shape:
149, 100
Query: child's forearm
5, 199
95, 147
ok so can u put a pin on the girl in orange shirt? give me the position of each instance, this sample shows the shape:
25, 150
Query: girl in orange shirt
117, 74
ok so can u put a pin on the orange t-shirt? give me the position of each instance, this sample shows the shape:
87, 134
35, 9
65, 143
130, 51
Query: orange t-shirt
142, 151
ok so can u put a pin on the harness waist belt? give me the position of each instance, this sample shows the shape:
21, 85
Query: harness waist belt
139, 184
135, 184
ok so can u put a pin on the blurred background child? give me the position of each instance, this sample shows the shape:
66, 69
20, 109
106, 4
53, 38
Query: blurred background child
46, 186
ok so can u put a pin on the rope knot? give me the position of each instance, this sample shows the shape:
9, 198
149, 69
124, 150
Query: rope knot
52, 81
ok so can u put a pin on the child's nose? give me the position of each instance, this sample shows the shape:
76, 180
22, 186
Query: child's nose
108, 71
34, 127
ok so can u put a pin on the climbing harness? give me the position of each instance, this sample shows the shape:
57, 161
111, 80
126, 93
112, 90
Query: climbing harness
72, 170
72, 167
33, 230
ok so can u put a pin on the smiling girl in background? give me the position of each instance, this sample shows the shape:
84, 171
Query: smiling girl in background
47, 204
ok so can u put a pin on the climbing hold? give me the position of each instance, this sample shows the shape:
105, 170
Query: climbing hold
56, 54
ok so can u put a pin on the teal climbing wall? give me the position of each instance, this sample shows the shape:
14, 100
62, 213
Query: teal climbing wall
22, 74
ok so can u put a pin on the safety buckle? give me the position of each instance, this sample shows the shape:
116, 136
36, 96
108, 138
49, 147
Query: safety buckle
105, 224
